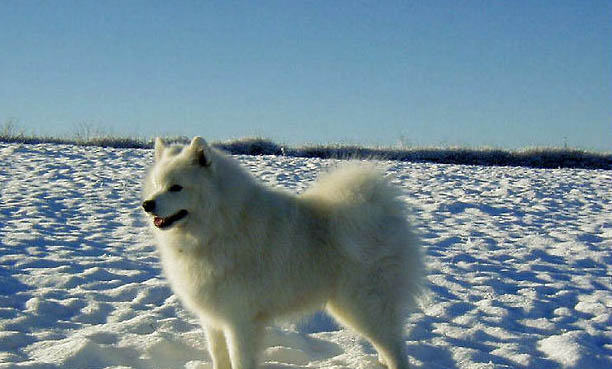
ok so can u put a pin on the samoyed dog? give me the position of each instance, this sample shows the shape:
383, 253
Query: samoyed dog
240, 255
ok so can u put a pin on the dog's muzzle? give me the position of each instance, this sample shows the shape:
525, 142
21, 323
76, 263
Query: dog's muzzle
161, 222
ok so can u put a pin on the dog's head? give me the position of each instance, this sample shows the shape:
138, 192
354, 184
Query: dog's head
176, 180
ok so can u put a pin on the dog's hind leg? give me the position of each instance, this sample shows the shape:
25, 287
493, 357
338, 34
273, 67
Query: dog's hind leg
379, 326
217, 348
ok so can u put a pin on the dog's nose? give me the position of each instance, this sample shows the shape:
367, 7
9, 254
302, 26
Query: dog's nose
148, 205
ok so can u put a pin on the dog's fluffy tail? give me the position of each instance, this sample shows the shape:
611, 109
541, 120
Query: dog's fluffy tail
357, 185
370, 222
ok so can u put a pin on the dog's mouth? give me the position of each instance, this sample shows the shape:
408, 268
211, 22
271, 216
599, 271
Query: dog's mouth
166, 222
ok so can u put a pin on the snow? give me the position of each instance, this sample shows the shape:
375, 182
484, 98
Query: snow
519, 268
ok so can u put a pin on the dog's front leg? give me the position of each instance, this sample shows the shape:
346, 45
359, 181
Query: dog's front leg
244, 340
217, 348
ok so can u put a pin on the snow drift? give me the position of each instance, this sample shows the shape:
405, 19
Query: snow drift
519, 259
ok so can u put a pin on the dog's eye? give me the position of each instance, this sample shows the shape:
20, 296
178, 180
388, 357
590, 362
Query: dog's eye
175, 188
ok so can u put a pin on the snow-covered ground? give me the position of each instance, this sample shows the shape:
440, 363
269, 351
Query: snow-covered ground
519, 261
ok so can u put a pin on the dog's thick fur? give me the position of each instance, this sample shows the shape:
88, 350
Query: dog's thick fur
239, 254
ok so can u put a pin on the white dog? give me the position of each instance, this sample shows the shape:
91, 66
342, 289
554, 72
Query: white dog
239, 254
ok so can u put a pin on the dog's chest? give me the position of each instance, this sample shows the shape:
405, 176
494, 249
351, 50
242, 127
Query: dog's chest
192, 281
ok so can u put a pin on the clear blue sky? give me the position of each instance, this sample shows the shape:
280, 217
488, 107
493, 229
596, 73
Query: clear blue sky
496, 73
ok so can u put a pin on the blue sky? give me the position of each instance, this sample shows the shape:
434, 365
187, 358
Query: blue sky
472, 73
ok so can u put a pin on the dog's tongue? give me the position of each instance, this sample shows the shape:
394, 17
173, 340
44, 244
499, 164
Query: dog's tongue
158, 221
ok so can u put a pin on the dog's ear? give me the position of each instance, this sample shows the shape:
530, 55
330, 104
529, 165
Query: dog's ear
160, 146
201, 151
